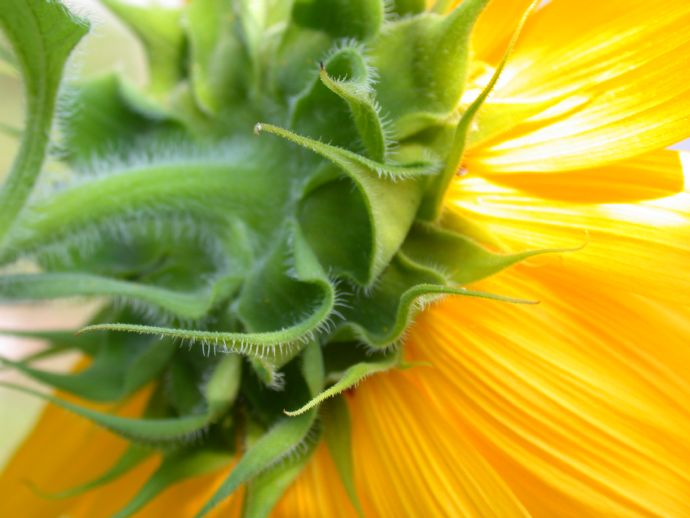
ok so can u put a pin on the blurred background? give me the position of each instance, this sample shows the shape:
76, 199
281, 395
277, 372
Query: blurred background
108, 48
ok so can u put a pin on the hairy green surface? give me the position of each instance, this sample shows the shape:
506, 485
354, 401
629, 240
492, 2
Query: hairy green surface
272, 197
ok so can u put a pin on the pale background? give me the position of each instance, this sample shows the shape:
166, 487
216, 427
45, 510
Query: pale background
109, 47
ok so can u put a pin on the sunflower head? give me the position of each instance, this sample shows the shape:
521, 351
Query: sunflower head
272, 199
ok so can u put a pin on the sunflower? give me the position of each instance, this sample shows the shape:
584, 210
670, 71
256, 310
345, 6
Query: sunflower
455, 163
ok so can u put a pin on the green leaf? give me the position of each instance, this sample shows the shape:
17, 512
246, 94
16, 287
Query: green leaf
351, 377
176, 466
43, 34
422, 62
337, 432
159, 30
281, 440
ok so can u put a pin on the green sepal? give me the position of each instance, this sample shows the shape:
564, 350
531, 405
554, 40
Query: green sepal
351, 377
380, 316
339, 103
42, 34
351, 251
352, 163
221, 391
143, 431
205, 185
422, 62
337, 432
358, 19
118, 370
282, 307
289, 291
159, 30
458, 257
59, 340
433, 203
279, 442
46, 286
356, 90
218, 58
266, 489
133, 456
102, 119
313, 370
176, 466
391, 205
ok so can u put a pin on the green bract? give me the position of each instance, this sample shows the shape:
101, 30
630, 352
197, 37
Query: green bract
273, 197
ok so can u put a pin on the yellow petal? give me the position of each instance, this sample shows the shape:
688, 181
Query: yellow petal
589, 85
578, 403
64, 451
61, 452
412, 459
654, 175
317, 492
640, 248
495, 26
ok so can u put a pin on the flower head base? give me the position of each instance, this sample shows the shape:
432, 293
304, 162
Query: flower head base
293, 258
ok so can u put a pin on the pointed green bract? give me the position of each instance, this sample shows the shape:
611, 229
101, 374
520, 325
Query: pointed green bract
130, 459
336, 419
264, 491
422, 62
351, 377
277, 443
62, 285
119, 368
175, 467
